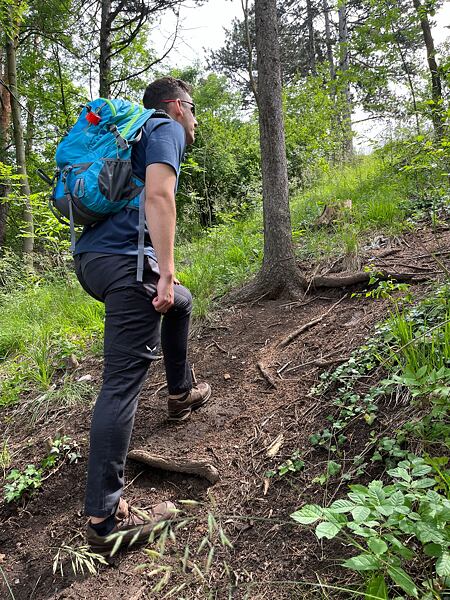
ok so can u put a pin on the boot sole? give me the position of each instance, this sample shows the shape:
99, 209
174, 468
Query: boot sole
193, 407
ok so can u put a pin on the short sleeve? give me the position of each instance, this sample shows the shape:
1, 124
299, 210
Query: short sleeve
166, 144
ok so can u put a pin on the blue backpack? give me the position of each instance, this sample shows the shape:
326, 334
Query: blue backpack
94, 178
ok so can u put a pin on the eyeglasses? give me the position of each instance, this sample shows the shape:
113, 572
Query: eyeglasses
192, 105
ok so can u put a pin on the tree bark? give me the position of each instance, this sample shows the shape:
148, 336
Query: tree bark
5, 121
28, 241
436, 86
328, 40
105, 50
279, 274
311, 37
346, 113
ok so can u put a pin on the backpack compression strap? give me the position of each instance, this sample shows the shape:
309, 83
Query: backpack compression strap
140, 260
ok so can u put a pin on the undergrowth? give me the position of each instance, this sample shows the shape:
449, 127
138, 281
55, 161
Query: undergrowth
379, 202
43, 328
400, 522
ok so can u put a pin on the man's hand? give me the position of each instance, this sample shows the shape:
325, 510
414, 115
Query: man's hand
163, 300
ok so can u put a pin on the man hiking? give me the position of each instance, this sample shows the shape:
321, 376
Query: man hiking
105, 262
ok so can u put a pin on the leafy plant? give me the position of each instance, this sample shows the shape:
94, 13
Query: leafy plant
62, 449
20, 482
381, 520
294, 464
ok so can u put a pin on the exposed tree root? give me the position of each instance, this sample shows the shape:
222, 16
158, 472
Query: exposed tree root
270, 286
291, 286
332, 281
287, 340
178, 465
266, 375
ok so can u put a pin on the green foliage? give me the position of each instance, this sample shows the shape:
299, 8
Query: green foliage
414, 344
221, 173
382, 288
394, 527
20, 482
41, 326
63, 449
380, 522
222, 258
377, 199
294, 464
313, 137
422, 163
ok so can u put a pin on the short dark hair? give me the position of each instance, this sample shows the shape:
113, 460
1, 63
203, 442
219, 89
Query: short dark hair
166, 88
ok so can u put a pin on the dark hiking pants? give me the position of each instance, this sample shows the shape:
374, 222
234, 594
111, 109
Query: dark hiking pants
133, 333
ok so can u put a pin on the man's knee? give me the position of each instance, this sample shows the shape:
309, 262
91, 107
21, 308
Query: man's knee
182, 299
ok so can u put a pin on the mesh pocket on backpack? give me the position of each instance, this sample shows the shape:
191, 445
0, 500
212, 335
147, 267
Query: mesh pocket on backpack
115, 180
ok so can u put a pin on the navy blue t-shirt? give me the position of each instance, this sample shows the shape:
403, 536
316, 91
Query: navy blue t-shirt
163, 141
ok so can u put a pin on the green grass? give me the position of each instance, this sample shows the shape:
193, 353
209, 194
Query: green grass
222, 258
40, 327
378, 206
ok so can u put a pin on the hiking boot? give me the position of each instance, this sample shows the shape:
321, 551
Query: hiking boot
133, 525
181, 408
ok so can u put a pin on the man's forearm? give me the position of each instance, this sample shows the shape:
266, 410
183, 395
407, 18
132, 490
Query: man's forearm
160, 212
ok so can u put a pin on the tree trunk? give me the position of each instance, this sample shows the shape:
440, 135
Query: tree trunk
28, 241
5, 121
328, 40
279, 274
311, 39
346, 113
436, 87
105, 50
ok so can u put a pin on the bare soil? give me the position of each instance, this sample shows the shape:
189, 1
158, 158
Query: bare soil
234, 432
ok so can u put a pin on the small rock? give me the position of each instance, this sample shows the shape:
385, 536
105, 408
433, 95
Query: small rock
85, 378
227, 376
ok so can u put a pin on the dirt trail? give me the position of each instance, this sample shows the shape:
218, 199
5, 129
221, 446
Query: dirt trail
234, 431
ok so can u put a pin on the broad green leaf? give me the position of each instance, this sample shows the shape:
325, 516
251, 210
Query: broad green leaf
342, 506
360, 513
377, 546
403, 580
385, 509
421, 372
421, 484
433, 550
443, 565
376, 589
376, 490
428, 533
420, 470
310, 513
327, 530
397, 498
362, 562
400, 473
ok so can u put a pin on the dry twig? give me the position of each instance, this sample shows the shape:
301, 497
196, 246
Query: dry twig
308, 325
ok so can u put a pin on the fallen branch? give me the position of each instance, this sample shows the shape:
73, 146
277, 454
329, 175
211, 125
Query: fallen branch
308, 325
177, 465
266, 375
